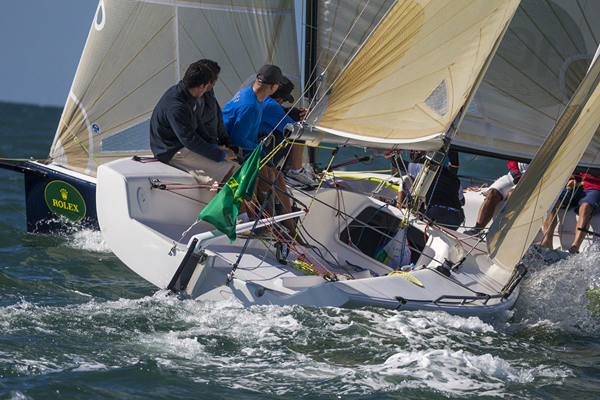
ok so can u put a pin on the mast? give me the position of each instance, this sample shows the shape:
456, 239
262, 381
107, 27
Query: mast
310, 60
310, 46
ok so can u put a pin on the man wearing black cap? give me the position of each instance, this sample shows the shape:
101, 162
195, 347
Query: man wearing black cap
274, 119
243, 112
242, 115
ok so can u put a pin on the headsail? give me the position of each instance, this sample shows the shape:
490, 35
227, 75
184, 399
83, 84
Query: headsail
542, 59
398, 72
516, 226
137, 49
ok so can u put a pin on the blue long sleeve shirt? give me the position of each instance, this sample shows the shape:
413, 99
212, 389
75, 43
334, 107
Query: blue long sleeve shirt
241, 116
176, 123
274, 117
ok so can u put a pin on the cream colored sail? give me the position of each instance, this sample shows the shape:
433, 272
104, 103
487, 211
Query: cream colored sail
136, 50
542, 59
410, 72
515, 228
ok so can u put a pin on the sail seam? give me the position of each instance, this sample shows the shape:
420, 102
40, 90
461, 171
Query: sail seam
89, 130
213, 7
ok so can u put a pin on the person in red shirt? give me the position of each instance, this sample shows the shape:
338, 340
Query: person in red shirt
585, 198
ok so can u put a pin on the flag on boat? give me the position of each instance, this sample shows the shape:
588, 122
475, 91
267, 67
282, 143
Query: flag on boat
396, 251
223, 209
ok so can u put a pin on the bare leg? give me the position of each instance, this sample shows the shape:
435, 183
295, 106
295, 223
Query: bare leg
486, 212
585, 212
405, 184
286, 203
296, 155
263, 188
401, 197
549, 226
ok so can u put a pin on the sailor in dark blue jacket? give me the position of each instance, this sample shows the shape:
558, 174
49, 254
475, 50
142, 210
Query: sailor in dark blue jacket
178, 136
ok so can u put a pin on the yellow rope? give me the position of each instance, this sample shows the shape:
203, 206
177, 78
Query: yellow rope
303, 267
367, 178
84, 149
369, 172
407, 276
269, 156
318, 147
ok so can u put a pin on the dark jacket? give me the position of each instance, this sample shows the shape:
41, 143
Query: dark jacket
445, 189
212, 118
175, 123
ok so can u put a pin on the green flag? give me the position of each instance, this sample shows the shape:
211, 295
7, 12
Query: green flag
223, 209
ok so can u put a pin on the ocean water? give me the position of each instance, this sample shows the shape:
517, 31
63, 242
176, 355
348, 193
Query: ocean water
76, 323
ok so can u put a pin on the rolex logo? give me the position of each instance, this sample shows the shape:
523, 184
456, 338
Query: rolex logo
56, 194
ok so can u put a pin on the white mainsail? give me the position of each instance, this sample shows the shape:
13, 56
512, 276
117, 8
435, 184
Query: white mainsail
137, 49
542, 59
516, 226
398, 72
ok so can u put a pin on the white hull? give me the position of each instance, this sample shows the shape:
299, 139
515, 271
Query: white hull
141, 225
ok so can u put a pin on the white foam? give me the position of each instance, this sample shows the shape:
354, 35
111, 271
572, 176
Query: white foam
556, 294
89, 240
275, 350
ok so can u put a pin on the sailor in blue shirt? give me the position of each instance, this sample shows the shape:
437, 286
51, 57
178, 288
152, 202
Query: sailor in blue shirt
242, 115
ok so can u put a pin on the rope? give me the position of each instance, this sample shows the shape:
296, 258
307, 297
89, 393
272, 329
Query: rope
22, 159
318, 188
79, 143
318, 147
407, 276
13, 207
464, 165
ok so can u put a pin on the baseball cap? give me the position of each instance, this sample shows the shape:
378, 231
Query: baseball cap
271, 75
284, 93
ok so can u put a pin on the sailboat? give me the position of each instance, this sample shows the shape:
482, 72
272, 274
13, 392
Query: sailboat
385, 74
543, 57
435, 54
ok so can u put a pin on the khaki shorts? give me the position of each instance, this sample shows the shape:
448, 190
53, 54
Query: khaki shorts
503, 185
201, 168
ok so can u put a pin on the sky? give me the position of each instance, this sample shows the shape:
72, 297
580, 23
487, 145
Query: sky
41, 42
40, 45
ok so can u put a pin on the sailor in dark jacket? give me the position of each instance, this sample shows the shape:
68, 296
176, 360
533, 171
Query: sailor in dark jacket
178, 136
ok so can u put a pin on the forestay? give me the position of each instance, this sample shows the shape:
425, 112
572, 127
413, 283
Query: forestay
541, 60
398, 72
520, 220
136, 50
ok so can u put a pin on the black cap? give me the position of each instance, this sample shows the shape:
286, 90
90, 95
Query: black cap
284, 92
271, 75
288, 97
